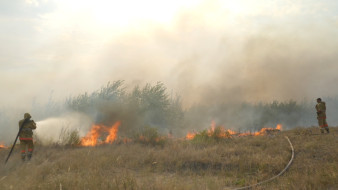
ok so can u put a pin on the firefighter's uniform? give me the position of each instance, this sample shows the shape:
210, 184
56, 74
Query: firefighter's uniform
321, 116
26, 136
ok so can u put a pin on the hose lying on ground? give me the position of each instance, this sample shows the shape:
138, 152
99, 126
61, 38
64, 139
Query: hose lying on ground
274, 177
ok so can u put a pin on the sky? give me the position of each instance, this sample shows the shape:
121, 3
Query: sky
206, 51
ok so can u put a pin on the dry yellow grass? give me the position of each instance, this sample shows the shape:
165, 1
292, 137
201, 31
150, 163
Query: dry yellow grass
181, 164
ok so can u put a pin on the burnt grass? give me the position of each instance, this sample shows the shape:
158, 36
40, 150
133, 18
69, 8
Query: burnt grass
181, 164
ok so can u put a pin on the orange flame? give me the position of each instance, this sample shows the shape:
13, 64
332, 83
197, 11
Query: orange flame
113, 133
190, 136
2, 145
227, 133
263, 131
231, 132
266, 130
222, 133
96, 131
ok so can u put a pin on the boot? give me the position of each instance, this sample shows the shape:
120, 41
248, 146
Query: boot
23, 156
327, 130
29, 156
322, 131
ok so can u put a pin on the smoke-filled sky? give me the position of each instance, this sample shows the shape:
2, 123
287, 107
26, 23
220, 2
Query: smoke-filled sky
206, 51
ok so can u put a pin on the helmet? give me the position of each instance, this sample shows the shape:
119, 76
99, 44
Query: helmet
27, 115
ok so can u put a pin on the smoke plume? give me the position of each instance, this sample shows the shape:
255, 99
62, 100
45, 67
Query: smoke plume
213, 54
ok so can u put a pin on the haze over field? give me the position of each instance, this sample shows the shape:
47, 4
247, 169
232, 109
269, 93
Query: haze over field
169, 94
215, 55
206, 51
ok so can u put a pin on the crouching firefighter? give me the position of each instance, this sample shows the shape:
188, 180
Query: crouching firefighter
26, 136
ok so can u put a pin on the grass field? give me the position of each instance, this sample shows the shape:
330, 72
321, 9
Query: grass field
181, 164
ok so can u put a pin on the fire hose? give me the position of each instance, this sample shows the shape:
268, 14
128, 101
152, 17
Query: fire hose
274, 177
20, 129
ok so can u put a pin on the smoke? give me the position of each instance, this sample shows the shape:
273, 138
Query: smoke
51, 130
252, 60
215, 56
208, 53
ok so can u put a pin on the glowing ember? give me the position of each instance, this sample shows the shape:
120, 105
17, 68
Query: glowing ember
91, 139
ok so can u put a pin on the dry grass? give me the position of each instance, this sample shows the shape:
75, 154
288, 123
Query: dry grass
181, 164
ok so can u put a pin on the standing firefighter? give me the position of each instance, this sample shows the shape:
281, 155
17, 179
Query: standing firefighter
321, 115
26, 136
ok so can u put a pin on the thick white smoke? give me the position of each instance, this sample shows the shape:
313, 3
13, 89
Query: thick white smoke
51, 130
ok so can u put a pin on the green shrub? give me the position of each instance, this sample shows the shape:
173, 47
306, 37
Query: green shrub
143, 105
212, 136
149, 136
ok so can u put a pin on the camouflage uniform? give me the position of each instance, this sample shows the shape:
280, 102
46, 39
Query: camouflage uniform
321, 115
26, 136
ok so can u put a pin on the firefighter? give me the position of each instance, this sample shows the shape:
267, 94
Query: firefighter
321, 115
26, 136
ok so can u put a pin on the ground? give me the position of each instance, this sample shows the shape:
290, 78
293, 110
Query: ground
182, 164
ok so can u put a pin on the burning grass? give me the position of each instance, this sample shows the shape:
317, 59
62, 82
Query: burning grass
181, 164
97, 131
100, 135
216, 133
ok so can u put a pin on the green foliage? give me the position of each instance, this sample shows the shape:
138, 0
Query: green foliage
287, 112
85, 102
203, 138
249, 116
142, 106
151, 105
211, 136
240, 182
151, 102
149, 136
